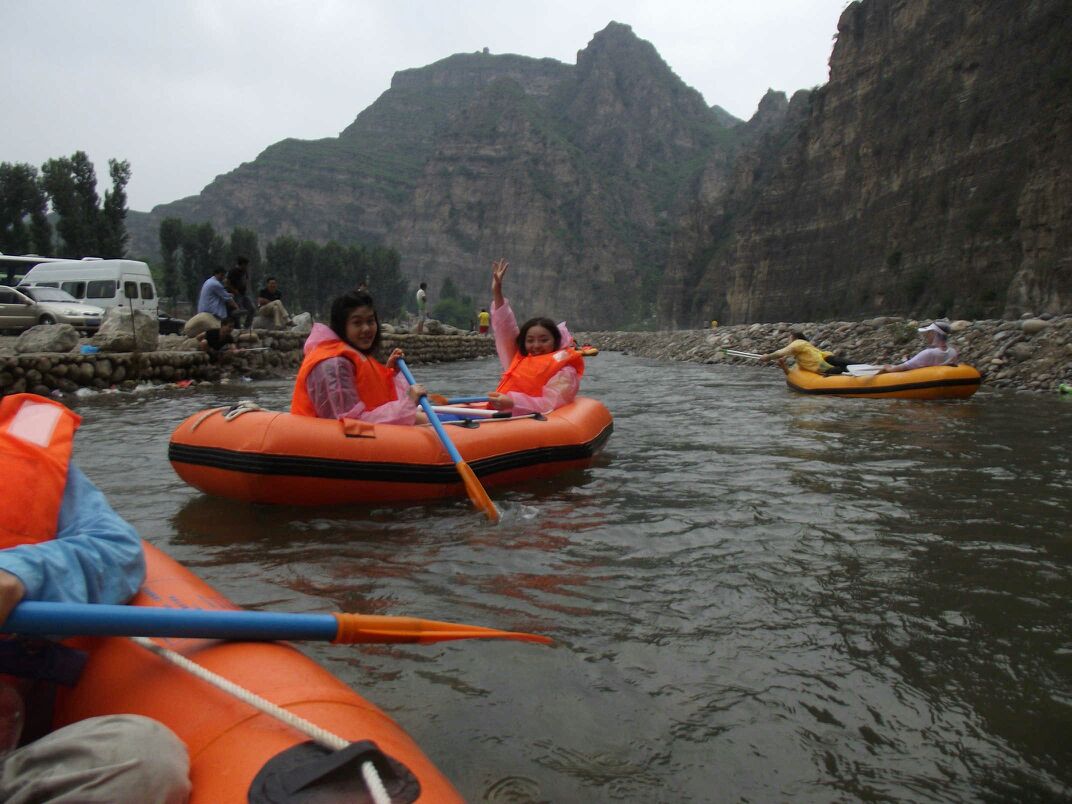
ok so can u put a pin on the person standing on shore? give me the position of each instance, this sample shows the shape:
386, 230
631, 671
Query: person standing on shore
237, 284
422, 306
484, 320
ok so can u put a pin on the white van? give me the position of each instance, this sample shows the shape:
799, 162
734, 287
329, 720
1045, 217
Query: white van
105, 283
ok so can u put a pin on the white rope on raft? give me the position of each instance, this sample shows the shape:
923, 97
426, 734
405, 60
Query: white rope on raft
319, 735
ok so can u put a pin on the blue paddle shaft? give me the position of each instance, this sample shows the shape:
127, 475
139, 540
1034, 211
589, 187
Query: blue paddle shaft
95, 619
426, 406
463, 400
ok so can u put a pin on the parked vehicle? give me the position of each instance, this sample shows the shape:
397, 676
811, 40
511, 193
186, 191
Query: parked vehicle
24, 307
17, 312
105, 283
169, 325
14, 267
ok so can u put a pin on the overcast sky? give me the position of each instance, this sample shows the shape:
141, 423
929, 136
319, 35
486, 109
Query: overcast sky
189, 89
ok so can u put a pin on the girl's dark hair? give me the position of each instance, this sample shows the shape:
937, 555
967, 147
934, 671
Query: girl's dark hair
346, 304
800, 336
544, 322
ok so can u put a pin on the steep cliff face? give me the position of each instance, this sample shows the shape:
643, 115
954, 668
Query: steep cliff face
573, 173
353, 187
505, 182
576, 187
929, 176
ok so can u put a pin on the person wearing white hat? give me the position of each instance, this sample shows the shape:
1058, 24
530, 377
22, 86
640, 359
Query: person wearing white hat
937, 353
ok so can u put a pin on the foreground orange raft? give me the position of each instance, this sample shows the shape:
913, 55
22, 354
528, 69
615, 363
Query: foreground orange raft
267, 457
934, 382
229, 742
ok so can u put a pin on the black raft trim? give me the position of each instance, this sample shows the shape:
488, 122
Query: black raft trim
888, 389
256, 463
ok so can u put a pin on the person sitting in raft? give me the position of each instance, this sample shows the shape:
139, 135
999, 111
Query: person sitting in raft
937, 353
340, 377
808, 357
61, 541
540, 372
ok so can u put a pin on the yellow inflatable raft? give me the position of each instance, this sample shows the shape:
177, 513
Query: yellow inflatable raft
934, 382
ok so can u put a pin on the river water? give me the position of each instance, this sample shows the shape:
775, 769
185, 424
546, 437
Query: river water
754, 595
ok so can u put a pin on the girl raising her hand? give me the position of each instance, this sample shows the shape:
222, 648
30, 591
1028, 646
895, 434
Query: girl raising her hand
541, 371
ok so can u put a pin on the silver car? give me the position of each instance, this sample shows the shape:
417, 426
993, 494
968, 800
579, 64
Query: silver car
23, 307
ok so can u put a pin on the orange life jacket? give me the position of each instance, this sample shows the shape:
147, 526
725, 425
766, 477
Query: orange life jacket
36, 436
375, 382
528, 375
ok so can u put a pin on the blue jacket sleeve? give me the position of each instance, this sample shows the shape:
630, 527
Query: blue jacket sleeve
96, 556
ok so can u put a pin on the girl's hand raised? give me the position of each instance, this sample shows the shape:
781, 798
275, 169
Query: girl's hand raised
498, 271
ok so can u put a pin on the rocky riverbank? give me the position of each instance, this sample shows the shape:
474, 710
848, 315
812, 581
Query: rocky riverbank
261, 354
1033, 354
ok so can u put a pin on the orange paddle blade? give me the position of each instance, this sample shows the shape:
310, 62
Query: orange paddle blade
371, 628
476, 492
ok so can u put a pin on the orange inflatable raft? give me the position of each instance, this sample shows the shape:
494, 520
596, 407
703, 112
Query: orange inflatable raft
267, 457
934, 382
235, 750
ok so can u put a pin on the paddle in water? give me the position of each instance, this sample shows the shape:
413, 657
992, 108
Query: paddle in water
473, 487
97, 619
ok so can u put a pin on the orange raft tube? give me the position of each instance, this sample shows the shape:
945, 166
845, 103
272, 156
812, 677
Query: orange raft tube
267, 457
228, 741
933, 382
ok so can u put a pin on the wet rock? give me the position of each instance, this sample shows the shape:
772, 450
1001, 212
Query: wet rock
47, 338
118, 332
1033, 326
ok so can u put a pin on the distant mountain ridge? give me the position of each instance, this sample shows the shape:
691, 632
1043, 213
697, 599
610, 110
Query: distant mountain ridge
907, 184
571, 172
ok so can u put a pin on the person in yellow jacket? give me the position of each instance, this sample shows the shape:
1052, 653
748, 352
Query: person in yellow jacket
542, 370
808, 357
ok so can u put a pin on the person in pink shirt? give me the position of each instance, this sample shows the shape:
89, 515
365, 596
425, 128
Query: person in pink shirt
541, 371
937, 353
340, 377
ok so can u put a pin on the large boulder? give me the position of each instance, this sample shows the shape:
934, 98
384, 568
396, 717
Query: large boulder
1033, 326
47, 338
302, 322
117, 331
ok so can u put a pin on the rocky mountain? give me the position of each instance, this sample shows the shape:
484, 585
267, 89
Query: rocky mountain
574, 173
930, 176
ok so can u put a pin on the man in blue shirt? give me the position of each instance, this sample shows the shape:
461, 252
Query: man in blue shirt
214, 298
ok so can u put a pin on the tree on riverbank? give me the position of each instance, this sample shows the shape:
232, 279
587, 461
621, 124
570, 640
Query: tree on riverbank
24, 226
310, 274
86, 228
453, 308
